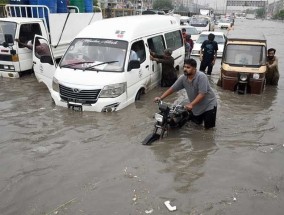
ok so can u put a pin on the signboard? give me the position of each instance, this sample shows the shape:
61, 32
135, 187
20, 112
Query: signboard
246, 3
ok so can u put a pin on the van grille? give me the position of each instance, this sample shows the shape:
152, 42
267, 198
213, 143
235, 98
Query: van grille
5, 57
79, 96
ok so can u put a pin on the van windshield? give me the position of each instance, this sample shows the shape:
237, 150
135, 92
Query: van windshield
248, 55
7, 28
95, 54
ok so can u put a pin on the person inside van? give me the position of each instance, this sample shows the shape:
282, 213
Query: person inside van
202, 99
272, 72
138, 51
133, 55
41, 48
169, 74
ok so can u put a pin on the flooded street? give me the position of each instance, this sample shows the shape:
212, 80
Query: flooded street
56, 161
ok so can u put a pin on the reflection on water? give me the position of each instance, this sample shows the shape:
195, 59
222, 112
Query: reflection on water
184, 154
243, 119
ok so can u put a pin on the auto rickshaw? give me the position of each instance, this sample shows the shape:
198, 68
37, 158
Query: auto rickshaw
243, 63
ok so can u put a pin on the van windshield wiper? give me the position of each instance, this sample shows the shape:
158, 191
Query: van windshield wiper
107, 62
76, 63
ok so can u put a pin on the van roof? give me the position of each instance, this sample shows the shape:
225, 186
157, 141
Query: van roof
212, 32
130, 27
21, 19
244, 35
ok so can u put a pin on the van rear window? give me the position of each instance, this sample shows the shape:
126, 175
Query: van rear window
174, 40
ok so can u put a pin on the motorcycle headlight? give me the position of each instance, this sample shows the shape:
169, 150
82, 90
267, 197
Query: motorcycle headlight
113, 90
55, 85
243, 77
159, 117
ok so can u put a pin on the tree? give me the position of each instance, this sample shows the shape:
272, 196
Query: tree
260, 13
280, 15
162, 4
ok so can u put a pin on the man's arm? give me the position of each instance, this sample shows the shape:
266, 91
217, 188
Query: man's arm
274, 64
197, 100
165, 94
200, 52
215, 54
24, 44
214, 58
164, 60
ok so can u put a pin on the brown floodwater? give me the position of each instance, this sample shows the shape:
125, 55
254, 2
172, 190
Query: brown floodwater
56, 161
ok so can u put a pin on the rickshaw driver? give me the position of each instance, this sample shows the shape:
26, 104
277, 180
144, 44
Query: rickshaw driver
272, 73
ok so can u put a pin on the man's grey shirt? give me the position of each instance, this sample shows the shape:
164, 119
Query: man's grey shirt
199, 84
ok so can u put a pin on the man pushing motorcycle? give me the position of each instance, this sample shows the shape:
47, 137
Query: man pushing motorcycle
202, 100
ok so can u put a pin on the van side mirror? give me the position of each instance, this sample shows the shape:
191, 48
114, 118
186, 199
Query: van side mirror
9, 39
5, 44
13, 52
133, 64
46, 59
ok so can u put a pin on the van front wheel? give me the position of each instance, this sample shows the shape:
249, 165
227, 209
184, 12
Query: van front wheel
138, 95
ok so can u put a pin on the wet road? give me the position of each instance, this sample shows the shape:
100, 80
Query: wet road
55, 161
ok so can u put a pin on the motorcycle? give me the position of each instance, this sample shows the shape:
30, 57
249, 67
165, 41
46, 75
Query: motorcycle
169, 116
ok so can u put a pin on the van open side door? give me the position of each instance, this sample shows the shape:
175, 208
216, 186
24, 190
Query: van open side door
44, 65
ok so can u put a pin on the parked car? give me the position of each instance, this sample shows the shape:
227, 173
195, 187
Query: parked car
224, 23
220, 38
184, 20
202, 23
192, 31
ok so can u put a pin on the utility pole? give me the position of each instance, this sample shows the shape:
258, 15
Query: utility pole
196, 5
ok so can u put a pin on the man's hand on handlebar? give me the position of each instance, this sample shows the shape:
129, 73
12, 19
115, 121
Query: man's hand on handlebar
157, 99
188, 106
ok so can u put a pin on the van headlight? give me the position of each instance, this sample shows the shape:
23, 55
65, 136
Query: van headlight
55, 85
243, 77
113, 90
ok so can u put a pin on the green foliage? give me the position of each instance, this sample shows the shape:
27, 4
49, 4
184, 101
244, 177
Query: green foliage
162, 4
260, 13
96, 3
4, 1
182, 8
281, 14
249, 11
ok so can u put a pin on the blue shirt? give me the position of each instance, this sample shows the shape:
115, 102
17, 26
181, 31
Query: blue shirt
210, 47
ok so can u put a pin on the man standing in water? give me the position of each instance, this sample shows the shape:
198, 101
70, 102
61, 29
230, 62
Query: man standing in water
202, 100
208, 54
272, 72
169, 73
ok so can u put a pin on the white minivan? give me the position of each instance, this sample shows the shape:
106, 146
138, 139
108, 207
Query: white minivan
107, 66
